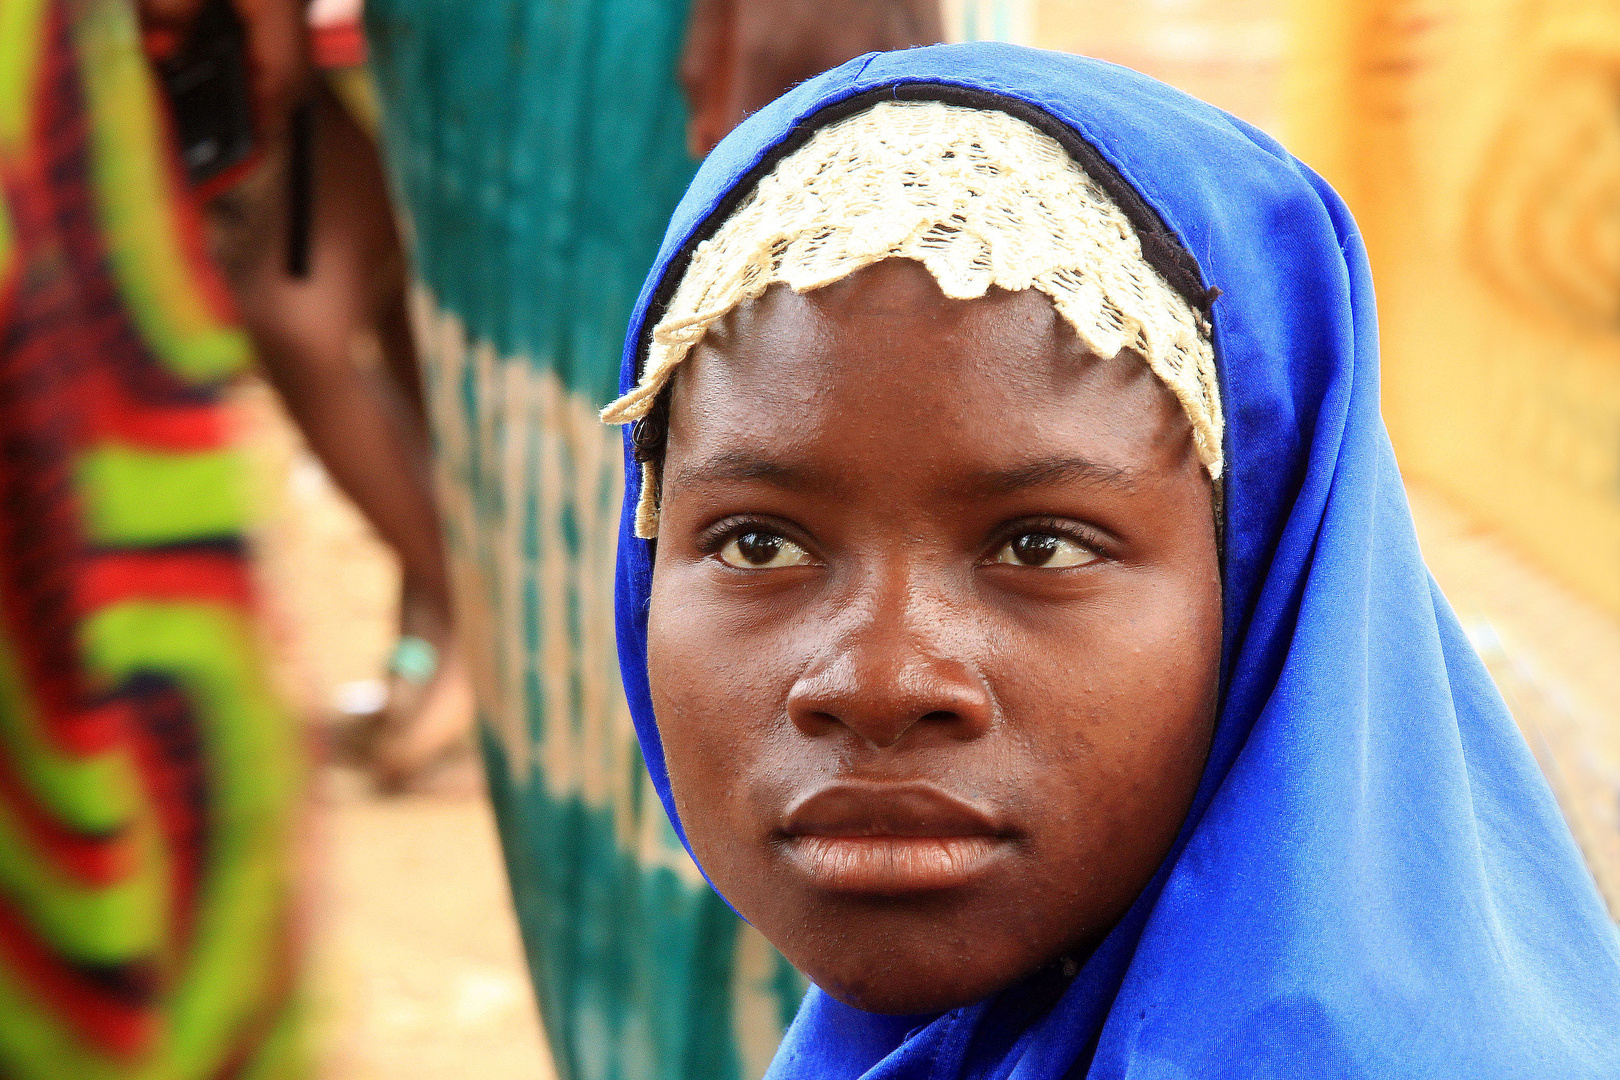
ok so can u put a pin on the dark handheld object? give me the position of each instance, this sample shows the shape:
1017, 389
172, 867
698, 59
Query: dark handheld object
300, 188
210, 92
211, 99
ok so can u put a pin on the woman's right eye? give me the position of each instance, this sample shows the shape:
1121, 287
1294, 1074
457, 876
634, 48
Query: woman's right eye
757, 550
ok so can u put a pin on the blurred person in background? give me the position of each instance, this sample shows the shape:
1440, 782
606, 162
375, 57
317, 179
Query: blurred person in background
537, 150
149, 785
308, 243
306, 238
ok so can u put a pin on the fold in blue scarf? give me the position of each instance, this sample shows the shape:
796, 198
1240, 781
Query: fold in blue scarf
1374, 880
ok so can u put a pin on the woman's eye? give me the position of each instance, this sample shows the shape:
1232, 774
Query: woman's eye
762, 551
1045, 549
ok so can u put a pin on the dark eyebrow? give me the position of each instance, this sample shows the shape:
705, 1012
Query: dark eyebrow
1047, 472
738, 466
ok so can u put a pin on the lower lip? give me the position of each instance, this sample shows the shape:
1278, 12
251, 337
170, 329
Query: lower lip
893, 864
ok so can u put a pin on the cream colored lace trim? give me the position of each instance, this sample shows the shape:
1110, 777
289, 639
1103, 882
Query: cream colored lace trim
978, 197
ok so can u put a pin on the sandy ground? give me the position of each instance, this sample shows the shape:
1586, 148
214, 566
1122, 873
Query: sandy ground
416, 970
418, 961
417, 967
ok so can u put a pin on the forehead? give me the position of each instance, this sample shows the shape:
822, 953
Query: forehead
883, 356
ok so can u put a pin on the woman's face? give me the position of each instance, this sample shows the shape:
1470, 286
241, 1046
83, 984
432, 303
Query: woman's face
934, 635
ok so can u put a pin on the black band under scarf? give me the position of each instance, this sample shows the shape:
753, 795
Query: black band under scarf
981, 198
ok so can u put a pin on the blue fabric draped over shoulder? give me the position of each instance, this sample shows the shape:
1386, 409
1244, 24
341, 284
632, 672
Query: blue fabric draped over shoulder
1374, 879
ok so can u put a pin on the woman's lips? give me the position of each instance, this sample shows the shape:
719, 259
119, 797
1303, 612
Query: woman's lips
889, 838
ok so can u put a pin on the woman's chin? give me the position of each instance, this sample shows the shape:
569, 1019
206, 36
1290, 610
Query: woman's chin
889, 992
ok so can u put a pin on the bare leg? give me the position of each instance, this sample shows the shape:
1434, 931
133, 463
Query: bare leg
336, 347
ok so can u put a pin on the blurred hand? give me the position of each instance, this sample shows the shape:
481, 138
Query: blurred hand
740, 54
276, 50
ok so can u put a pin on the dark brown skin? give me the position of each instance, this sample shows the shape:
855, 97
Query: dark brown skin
360, 409
742, 54
934, 634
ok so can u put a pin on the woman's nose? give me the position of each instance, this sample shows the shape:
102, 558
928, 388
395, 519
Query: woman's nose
883, 679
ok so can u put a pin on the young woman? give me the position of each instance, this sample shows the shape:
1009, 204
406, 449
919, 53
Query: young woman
1024, 623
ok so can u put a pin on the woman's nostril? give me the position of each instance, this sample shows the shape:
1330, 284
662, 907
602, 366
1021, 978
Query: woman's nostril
940, 716
812, 722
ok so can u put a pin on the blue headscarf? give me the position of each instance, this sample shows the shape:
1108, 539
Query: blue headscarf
1374, 879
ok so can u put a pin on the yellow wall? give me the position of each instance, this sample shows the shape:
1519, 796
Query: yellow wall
1478, 144
1228, 52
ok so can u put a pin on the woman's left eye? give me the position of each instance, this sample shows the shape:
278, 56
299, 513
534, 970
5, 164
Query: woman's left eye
759, 550
1045, 549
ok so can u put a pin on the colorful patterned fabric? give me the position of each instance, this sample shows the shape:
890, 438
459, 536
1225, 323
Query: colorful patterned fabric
147, 780
539, 148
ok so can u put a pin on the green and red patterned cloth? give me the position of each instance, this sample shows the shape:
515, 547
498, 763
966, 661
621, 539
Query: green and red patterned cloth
148, 780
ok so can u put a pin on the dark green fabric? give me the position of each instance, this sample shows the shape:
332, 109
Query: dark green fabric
538, 149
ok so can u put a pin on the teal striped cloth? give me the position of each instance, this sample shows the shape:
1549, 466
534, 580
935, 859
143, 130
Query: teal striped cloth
537, 147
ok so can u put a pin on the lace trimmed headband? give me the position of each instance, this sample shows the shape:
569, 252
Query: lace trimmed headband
978, 197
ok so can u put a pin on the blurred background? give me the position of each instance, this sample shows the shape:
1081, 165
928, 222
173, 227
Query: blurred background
1478, 143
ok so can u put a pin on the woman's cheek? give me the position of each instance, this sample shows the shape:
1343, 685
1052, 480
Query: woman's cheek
709, 703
